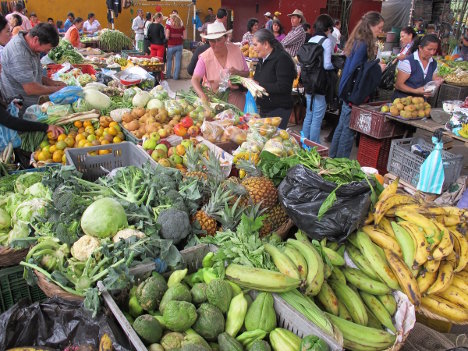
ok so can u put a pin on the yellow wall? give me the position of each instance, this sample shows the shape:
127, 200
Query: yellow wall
58, 9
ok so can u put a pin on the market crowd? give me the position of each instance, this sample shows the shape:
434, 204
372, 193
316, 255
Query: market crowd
23, 40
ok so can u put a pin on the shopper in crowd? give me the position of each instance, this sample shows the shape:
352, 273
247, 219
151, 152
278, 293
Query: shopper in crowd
138, 26
278, 30
198, 25
22, 68
252, 27
308, 31
146, 43
216, 63
69, 21
33, 19
296, 36
198, 51
407, 37
275, 72
269, 20
337, 32
73, 33
173, 12
221, 16
431, 29
464, 48
175, 34
5, 34
276, 15
418, 26
418, 69
92, 25
157, 36
50, 20
26, 24
15, 24
317, 103
210, 17
60, 27
359, 48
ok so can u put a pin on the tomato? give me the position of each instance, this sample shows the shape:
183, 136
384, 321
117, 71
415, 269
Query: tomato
180, 130
187, 122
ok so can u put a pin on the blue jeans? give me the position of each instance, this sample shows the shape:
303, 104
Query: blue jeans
177, 51
315, 111
343, 139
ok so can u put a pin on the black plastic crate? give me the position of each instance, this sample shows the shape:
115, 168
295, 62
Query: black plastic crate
14, 288
451, 92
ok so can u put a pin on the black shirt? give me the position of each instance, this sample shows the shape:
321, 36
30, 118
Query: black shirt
19, 124
193, 62
156, 34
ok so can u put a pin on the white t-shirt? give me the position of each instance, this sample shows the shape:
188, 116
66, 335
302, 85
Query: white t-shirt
405, 65
91, 27
136, 24
337, 35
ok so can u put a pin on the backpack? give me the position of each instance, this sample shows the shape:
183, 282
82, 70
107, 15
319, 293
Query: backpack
364, 80
313, 76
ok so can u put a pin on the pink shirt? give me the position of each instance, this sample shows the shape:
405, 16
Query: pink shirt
26, 25
200, 68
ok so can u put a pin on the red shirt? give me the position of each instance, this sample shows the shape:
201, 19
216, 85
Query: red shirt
176, 35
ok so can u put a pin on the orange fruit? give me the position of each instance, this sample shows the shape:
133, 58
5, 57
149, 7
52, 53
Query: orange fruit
113, 131
79, 137
81, 130
180, 149
70, 141
116, 140
82, 142
50, 135
105, 142
104, 152
379, 178
61, 145
61, 137
91, 137
78, 124
113, 124
52, 148
88, 144
57, 156
99, 131
121, 135
87, 124
64, 158
89, 130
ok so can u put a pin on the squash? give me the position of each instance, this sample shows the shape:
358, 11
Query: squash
261, 314
227, 343
96, 99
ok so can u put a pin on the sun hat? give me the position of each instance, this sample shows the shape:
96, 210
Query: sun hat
277, 13
215, 30
267, 14
297, 13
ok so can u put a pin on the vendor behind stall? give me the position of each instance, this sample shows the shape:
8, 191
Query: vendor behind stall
221, 59
418, 69
21, 73
407, 38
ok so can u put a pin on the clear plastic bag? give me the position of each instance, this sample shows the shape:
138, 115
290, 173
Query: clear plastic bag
226, 115
235, 134
224, 80
275, 147
34, 113
59, 110
212, 131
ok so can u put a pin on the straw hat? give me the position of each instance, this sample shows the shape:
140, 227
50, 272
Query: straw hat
215, 30
298, 13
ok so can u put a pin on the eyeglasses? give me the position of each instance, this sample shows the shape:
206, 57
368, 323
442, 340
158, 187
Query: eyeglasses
213, 41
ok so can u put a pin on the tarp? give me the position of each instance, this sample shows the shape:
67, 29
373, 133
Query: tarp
395, 13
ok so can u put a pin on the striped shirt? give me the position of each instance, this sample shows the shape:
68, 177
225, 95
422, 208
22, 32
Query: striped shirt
20, 65
294, 40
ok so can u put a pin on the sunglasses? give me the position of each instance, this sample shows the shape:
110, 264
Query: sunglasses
212, 41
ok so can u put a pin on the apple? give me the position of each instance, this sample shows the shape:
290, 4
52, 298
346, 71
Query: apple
155, 136
149, 152
161, 146
164, 162
149, 144
165, 142
171, 151
176, 159
158, 154
162, 133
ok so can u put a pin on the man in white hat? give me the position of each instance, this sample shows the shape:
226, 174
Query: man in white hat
269, 20
296, 36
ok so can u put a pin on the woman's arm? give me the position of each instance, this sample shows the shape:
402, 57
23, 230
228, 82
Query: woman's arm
20, 124
327, 53
401, 79
197, 77
167, 33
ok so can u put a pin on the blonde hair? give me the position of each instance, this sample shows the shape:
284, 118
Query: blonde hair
363, 34
176, 21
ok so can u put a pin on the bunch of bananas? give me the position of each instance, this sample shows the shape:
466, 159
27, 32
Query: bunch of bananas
464, 131
425, 250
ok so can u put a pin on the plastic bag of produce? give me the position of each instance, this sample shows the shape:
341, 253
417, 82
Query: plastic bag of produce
57, 323
59, 110
302, 193
67, 95
212, 131
235, 134
81, 105
226, 115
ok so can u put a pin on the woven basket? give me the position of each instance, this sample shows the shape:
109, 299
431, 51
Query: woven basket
11, 257
283, 230
51, 290
431, 315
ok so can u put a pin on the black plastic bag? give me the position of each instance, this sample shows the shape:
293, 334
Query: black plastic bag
302, 193
57, 323
387, 81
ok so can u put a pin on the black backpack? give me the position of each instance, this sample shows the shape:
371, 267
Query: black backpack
313, 76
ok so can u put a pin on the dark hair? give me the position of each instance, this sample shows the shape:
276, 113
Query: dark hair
148, 16
421, 42
19, 20
278, 22
250, 23
46, 33
77, 20
91, 15
410, 31
3, 22
363, 33
70, 14
266, 36
430, 26
50, 19
59, 23
305, 26
32, 14
210, 8
337, 22
19, 7
221, 13
323, 23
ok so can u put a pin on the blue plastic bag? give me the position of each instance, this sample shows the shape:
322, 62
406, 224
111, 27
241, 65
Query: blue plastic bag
67, 95
250, 105
431, 174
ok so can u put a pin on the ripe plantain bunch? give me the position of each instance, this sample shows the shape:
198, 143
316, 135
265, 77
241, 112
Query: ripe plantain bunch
427, 250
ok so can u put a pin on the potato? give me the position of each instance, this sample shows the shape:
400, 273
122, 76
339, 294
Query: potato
127, 117
139, 111
151, 128
133, 125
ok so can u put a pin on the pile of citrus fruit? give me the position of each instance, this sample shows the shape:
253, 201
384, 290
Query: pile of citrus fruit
82, 134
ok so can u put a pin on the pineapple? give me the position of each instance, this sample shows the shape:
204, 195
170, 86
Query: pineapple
193, 163
213, 167
237, 190
206, 216
274, 218
230, 216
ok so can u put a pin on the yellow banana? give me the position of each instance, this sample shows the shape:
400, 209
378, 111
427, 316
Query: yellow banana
421, 253
459, 282
369, 219
426, 224
445, 246
445, 309
425, 280
386, 226
282, 261
383, 240
297, 259
432, 266
460, 245
463, 275
444, 278
432, 211
453, 211
405, 278
455, 295
411, 207
328, 299
390, 190
450, 220
386, 204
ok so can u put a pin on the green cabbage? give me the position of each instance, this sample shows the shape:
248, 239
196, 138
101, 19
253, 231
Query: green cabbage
81, 105
20, 231
25, 180
5, 219
103, 218
28, 210
39, 190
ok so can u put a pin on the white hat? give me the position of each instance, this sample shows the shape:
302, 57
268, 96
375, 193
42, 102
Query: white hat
267, 14
215, 30
297, 13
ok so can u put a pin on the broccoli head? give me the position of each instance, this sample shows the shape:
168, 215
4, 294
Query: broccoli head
175, 224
